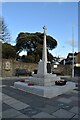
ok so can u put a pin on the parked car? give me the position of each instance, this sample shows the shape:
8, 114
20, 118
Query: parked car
22, 72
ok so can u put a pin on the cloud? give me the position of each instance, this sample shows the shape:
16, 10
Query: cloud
69, 42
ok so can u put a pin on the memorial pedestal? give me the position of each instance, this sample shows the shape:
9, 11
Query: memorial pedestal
45, 91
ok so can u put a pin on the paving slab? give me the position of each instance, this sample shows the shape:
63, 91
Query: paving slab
24, 99
36, 103
9, 98
75, 109
0, 115
22, 116
58, 104
77, 117
5, 97
19, 105
11, 101
74, 98
74, 103
43, 115
0, 96
66, 95
64, 100
1, 89
61, 113
30, 111
10, 113
54, 102
48, 109
66, 107
3, 94
5, 107
0, 106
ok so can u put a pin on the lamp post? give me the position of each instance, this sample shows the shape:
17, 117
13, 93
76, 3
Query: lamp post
72, 52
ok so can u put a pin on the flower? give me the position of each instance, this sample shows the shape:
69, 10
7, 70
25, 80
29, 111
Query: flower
30, 84
22, 80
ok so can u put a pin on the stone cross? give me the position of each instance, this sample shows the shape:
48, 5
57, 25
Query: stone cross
44, 29
44, 55
42, 66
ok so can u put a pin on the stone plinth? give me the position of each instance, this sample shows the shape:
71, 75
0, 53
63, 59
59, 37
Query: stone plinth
47, 80
45, 91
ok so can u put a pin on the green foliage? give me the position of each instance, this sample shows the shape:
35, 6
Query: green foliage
8, 51
4, 33
28, 59
32, 43
50, 57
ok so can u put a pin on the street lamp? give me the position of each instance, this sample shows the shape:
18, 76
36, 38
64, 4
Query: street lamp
72, 52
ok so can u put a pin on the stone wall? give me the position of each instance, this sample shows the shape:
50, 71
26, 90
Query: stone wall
9, 66
62, 69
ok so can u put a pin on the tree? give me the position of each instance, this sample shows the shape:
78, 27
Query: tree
33, 43
8, 51
50, 57
4, 33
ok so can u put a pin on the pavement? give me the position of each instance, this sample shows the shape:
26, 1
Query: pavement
17, 104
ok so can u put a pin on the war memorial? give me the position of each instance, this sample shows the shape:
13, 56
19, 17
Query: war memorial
43, 83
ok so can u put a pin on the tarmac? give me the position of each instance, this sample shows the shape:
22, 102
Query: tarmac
17, 104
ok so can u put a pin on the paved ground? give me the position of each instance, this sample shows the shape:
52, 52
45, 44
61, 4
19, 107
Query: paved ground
20, 104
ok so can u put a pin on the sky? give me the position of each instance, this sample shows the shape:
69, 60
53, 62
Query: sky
59, 17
